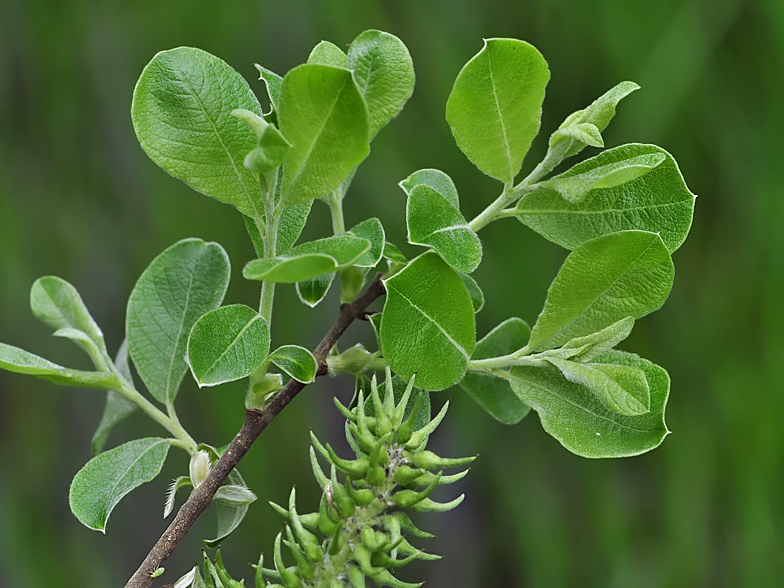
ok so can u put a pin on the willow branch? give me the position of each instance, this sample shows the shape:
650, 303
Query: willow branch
255, 422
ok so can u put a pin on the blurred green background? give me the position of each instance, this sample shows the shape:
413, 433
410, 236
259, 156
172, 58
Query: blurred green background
79, 199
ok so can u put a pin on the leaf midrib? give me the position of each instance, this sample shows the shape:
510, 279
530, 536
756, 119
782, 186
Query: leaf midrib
229, 346
500, 117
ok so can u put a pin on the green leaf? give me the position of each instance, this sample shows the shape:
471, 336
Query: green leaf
181, 112
291, 223
576, 417
57, 303
86, 343
184, 282
586, 133
495, 106
436, 179
623, 274
392, 253
593, 345
20, 361
270, 153
229, 517
296, 361
227, 344
272, 82
622, 389
372, 230
309, 260
599, 114
477, 297
107, 478
434, 222
605, 172
326, 53
657, 201
494, 394
313, 291
117, 407
384, 73
235, 495
323, 115
429, 294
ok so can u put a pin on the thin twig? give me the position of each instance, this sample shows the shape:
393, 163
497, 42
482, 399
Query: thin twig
255, 422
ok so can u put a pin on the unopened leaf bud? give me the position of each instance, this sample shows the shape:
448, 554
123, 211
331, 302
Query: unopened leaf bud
199, 467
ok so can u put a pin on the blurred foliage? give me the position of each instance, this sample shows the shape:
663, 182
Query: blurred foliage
79, 199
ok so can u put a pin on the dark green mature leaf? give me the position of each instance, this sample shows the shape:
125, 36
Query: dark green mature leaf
601, 282
384, 73
492, 393
184, 282
229, 517
323, 115
107, 478
429, 295
622, 389
117, 407
309, 260
313, 291
20, 361
57, 303
433, 221
372, 230
598, 114
436, 179
227, 344
296, 361
576, 417
326, 53
658, 201
496, 104
181, 112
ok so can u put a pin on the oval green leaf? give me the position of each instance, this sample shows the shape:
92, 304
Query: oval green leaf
495, 394
229, 517
495, 106
326, 53
576, 417
181, 113
385, 75
324, 116
296, 361
434, 222
436, 179
184, 282
429, 295
227, 344
658, 201
606, 279
309, 260
313, 291
372, 230
107, 478
477, 296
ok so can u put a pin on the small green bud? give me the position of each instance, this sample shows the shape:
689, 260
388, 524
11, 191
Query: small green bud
289, 578
407, 498
406, 429
336, 542
430, 461
362, 557
404, 521
199, 467
373, 540
361, 497
365, 440
340, 497
355, 577
420, 436
383, 578
259, 576
377, 474
326, 525
382, 560
305, 568
428, 505
355, 468
406, 475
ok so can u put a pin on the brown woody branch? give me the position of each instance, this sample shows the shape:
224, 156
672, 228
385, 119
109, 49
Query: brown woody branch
255, 422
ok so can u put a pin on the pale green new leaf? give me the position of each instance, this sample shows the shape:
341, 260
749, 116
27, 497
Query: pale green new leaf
623, 274
584, 133
235, 495
326, 53
229, 517
576, 417
296, 361
184, 282
19, 361
324, 117
495, 106
181, 113
313, 291
272, 82
309, 260
434, 222
393, 254
384, 73
85, 342
372, 230
107, 478
436, 179
592, 346
477, 296
117, 407
227, 344
57, 303
599, 114
622, 389
492, 393
429, 295
657, 201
